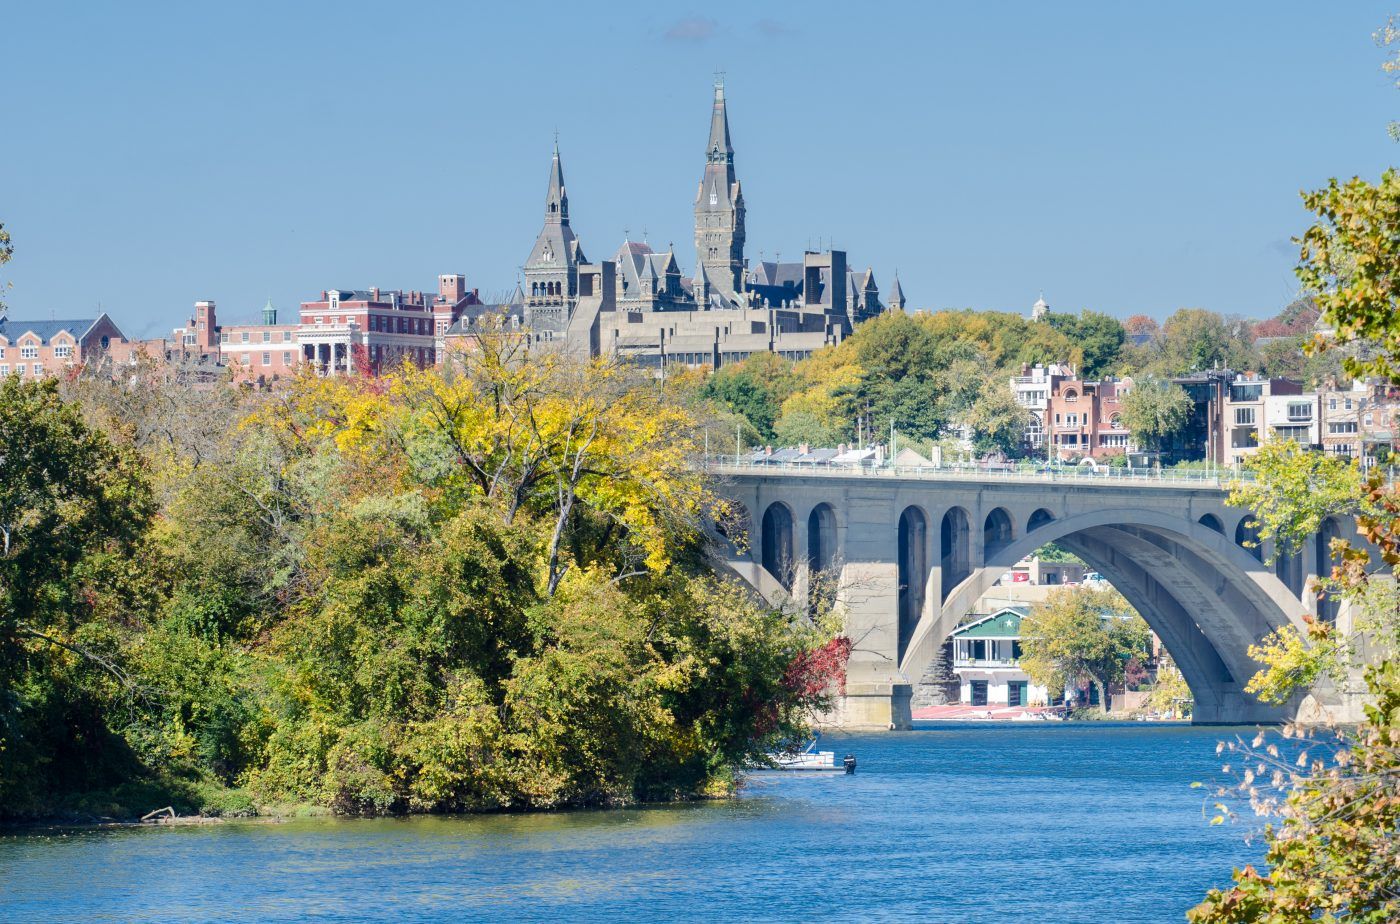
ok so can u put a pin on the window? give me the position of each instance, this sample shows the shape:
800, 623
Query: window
1331, 404
286, 336
267, 336
1299, 411
1369, 419
286, 359
1071, 396
1116, 422
223, 336
267, 359
4, 369
29, 351
1246, 392
245, 336
63, 351
1348, 404
1244, 416
38, 369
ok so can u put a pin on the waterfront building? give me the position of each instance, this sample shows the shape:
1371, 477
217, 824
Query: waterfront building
37, 349
986, 659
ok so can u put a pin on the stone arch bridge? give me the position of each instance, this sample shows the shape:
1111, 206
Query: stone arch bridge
910, 553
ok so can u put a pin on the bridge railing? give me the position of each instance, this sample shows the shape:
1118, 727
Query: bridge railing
1218, 478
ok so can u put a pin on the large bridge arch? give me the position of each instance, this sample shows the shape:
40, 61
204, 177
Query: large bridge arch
1207, 598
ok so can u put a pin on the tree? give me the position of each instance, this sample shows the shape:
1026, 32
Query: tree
7, 250
1291, 492
1193, 339
1079, 634
997, 420
1155, 409
72, 509
754, 388
1332, 853
1348, 262
1099, 337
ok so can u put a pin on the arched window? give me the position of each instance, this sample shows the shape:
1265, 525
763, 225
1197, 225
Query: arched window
1071, 395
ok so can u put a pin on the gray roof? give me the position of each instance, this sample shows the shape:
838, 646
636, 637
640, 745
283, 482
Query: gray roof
13, 328
896, 291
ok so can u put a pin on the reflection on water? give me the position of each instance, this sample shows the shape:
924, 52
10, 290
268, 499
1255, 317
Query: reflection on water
948, 823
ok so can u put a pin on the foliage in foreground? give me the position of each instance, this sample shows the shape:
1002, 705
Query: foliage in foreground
1334, 842
486, 589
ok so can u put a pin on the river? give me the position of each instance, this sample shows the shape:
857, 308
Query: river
969, 823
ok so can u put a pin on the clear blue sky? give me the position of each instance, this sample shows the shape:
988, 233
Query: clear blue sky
1125, 157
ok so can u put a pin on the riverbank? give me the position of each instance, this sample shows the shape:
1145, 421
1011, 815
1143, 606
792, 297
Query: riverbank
1064, 822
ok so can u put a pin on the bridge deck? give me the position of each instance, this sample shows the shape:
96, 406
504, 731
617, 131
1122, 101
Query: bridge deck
1106, 476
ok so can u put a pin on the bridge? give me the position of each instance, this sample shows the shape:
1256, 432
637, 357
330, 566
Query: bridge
910, 551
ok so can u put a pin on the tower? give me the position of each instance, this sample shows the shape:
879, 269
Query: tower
896, 295
719, 208
551, 272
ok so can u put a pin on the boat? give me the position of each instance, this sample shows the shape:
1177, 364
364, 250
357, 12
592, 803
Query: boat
807, 759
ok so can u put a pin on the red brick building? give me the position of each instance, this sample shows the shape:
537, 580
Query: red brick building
1084, 418
44, 348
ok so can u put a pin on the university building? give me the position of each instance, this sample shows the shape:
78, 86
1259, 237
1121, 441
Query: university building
642, 305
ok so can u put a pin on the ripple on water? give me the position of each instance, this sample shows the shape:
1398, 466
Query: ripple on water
946, 823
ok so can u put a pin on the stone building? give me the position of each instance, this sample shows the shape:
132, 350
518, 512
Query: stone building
642, 304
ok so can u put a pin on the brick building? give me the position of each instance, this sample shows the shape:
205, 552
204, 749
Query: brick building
43, 348
1085, 418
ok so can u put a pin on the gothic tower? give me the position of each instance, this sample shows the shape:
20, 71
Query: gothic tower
551, 272
719, 209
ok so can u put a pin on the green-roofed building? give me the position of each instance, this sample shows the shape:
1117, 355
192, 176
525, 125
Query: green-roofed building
986, 658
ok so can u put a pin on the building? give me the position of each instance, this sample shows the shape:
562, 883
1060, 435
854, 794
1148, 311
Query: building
642, 304
986, 659
45, 348
368, 330
1086, 418
1259, 409
1032, 389
260, 352
1359, 422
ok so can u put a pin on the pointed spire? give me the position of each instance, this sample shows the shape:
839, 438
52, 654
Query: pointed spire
556, 201
719, 149
896, 293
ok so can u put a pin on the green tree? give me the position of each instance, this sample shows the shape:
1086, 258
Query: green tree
72, 510
997, 421
1155, 409
1347, 263
755, 389
1292, 491
1193, 339
1080, 633
1099, 338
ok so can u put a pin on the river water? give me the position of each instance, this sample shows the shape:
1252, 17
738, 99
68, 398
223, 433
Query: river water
968, 823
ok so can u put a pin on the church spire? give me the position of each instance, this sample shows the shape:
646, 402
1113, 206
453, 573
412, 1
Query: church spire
719, 150
719, 208
556, 201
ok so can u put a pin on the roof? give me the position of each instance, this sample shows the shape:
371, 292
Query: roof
1004, 623
13, 328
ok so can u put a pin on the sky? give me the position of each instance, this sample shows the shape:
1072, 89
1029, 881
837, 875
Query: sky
1124, 157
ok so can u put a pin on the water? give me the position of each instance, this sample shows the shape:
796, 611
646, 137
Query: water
1063, 823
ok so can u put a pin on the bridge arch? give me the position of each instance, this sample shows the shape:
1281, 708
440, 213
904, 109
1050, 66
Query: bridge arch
1211, 521
1041, 517
1247, 537
1327, 604
955, 550
821, 538
776, 543
913, 570
1207, 598
997, 531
